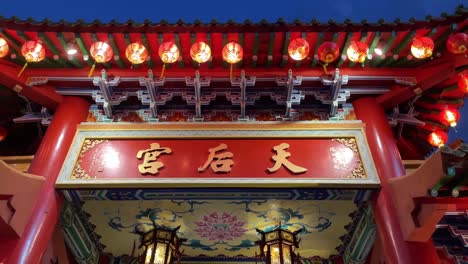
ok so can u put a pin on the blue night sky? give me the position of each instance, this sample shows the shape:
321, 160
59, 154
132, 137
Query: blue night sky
239, 10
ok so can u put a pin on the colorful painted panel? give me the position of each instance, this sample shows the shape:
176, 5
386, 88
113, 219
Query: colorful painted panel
219, 227
205, 155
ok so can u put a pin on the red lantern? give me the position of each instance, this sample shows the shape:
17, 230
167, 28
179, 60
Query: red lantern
422, 47
232, 52
169, 52
437, 138
357, 51
463, 83
457, 43
101, 52
450, 116
32, 51
3, 48
328, 52
200, 52
298, 49
3, 133
136, 53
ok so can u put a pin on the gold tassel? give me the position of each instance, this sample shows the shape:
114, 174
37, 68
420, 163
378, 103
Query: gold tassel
162, 71
22, 70
325, 68
92, 70
230, 73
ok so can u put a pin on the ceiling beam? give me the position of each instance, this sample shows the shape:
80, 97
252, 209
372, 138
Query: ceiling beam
43, 95
428, 76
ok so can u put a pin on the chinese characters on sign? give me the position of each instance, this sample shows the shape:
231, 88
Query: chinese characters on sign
150, 156
219, 162
219, 159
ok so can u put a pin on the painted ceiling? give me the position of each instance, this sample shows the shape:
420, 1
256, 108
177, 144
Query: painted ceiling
222, 227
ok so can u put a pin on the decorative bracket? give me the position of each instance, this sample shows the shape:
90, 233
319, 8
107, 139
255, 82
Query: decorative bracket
409, 118
150, 96
106, 97
243, 82
44, 117
33, 81
336, 81
293, 96
409, 81
197, 83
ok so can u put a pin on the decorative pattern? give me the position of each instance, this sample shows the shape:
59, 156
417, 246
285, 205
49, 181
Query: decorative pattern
341, 159
358, 196
78, 171
222, 228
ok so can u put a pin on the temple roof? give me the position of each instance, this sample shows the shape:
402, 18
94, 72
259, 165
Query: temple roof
394, 77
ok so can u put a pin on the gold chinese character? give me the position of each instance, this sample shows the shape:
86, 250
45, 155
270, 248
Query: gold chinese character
281, 159
150, 164
219, 162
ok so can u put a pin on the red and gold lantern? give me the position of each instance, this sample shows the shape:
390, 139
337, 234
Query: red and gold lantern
422, 47
450, 116
328, 52
357, 51
200, 52
457, 43
463, 83
168, 52
3, 133
437, 138
136, 53
298, 49
3, 48
232, 52
101, 52
32, 51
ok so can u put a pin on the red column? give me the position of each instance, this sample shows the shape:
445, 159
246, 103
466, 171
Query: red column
389, 165
48, 162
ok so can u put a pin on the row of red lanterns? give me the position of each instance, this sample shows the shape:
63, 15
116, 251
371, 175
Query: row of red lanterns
298, 49
447, 116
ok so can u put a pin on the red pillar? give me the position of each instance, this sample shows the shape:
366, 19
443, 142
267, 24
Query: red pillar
48, 162
389, 165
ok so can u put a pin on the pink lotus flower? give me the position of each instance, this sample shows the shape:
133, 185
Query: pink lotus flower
220, 227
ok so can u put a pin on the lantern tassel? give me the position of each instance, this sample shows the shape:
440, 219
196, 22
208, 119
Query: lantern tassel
162, 71
92, 70
230, 73
325, 68
22, 70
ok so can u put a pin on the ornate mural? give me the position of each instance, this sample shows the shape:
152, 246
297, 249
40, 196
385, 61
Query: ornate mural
222, 227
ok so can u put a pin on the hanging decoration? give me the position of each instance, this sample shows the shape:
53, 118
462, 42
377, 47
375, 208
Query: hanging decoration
169, 53
136, 53
458, 43
160, 246
437, 138
3, 47
463, 82
422, 47
200, 52
328, 52
101, 52
278, 246
232, 53
3, 133
33, 51
298, 49
357, 51
450, 116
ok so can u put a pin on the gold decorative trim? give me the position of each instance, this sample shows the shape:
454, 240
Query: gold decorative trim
358, 172
225, 126
89, 144
78, 171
